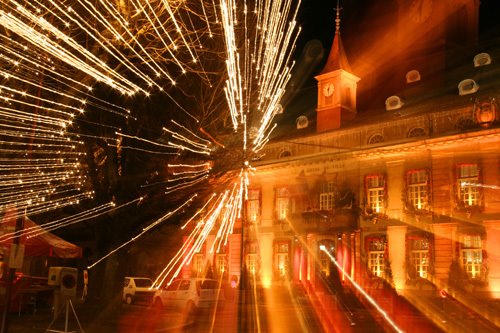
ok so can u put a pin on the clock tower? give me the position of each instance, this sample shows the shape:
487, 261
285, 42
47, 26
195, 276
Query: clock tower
336, 87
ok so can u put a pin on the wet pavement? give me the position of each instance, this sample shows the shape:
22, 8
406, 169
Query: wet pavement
95, 317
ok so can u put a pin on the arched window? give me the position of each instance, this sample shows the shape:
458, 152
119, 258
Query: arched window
416, 132
284, 153
375, 138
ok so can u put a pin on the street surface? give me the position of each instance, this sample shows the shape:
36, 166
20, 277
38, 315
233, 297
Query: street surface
281, 309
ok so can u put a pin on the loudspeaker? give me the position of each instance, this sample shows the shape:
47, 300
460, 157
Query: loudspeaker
65, 278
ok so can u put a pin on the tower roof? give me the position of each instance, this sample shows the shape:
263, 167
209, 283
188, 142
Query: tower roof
337, 58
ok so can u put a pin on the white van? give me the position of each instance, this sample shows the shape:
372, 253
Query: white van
190, 294
137, 289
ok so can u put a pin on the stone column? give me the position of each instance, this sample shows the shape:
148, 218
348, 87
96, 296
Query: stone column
266, 258
395, 185
492, 248
311, 258
444, 251
490, 162
396, 238
357, 256
267, 204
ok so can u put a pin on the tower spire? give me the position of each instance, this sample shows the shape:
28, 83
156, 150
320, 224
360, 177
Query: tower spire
336, 86
337, 18
337, 58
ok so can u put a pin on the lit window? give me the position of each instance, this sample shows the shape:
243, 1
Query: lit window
376, 256
253, 206
327, 196
222, 263
419, 256
375, 192
198, 264
281, 259
467, 178
282, 203
417, 188
472, 255
251, 261
221, 259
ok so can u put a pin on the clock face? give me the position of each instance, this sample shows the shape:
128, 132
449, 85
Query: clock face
420, 10
328, 89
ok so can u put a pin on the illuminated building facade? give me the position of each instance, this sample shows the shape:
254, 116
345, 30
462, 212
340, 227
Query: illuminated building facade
407, 192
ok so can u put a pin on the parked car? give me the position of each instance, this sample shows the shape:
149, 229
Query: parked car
190, 294
138, 289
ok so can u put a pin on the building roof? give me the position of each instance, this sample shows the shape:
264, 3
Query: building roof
337, 58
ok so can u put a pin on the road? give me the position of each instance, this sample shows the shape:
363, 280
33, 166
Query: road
281, 309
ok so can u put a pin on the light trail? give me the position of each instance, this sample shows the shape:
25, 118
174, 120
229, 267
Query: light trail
43, 228
144, 230
362, 291
494, 187
263, 71
57, 63
218, 219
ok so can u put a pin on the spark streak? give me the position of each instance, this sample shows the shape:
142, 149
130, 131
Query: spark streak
361, 290
145, 230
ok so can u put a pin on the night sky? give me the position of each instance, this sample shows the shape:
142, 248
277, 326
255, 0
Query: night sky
318, 20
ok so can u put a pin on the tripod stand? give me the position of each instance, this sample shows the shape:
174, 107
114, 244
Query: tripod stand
66, 321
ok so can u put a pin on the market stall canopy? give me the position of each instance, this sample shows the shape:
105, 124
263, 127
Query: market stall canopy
37, 240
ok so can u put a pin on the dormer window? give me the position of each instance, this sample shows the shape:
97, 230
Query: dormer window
302, 122
412, 76
394, 103
467, 86
482, 59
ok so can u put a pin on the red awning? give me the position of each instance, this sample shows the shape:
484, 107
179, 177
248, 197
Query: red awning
48, 244
43, 243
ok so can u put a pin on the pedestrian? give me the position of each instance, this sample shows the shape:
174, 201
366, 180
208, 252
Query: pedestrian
85, 284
